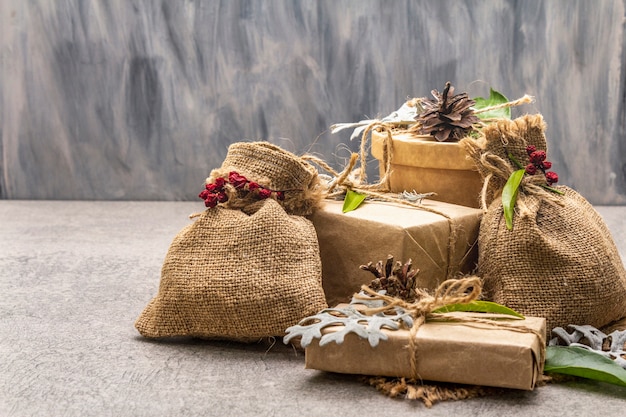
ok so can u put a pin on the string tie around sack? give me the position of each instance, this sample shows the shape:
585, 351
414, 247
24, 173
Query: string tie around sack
254, 171
502, 149
530, 185
452, 291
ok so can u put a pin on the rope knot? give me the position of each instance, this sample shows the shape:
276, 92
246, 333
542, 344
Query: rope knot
451, 291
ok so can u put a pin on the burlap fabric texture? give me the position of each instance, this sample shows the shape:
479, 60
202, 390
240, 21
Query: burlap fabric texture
276, 169
559, 260
237, 274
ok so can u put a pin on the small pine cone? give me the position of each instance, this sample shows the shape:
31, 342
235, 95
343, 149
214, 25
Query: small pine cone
397, 280
448, 117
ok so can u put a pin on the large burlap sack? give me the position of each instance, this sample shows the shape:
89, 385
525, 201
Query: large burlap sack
559, 260
233, 275
275, 169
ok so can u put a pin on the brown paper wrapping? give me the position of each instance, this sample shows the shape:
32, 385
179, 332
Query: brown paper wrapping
376, 229
446, 352
430, 166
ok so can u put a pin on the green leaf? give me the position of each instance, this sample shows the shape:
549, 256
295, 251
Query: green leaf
480, 307
517, 163
509, 196
352, 200
554, 190
495, 98
576, 361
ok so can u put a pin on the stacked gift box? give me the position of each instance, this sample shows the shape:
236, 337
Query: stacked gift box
530, 250
459, 193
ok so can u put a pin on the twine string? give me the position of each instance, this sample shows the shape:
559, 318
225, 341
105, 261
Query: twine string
523, 100
452, 291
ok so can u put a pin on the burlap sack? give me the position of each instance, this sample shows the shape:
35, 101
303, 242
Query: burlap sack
276, 169
232, 275
559, 260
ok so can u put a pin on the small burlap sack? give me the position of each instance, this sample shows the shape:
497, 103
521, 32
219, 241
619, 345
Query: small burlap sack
233, 275
274, 168
559, 260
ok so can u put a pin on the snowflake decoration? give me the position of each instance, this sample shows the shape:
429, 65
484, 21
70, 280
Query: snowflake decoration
612, 346
414, 196
370, 302
353, 321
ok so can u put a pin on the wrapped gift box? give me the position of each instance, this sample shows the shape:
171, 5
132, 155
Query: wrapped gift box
426, 165
376, 229
446, 352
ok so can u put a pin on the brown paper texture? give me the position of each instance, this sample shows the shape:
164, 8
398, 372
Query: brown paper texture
376, 229
446, 352
427, 165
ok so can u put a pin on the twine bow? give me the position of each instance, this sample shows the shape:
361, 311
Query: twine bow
502, 169
355, 178
452, 291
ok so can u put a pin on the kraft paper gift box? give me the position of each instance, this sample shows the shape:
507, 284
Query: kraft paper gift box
440, 247
426, 165
446, 352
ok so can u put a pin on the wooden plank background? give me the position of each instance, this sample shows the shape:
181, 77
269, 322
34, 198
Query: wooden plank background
139, 100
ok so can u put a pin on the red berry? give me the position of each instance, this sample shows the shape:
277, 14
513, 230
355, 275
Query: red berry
264, 193
530, 149
211, 200
253, 186
219, 182
222, 197
552, 177
238, 181
531, 169
203, 194
537, 157
212, 187
546, 165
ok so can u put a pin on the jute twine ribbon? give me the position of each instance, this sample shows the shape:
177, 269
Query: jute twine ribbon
530, 185
502, 168
355, 178
452, 291
522, 100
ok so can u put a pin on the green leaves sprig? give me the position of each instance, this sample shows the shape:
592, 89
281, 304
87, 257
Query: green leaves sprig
509, 196
479, 307
352, 201
511, 188
495, 98
580, 362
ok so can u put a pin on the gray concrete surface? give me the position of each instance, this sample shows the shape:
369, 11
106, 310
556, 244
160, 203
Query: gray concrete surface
75, 275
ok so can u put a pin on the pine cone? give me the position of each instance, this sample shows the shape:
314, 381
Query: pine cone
448, 117
399, 280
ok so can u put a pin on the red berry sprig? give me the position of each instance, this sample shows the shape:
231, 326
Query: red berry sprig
215, 192
538, 163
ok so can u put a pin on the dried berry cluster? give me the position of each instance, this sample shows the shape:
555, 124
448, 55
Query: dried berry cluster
398, 280
215, 192
449, 116
538, 163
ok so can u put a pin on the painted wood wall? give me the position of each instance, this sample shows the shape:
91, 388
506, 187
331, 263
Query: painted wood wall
127, 99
